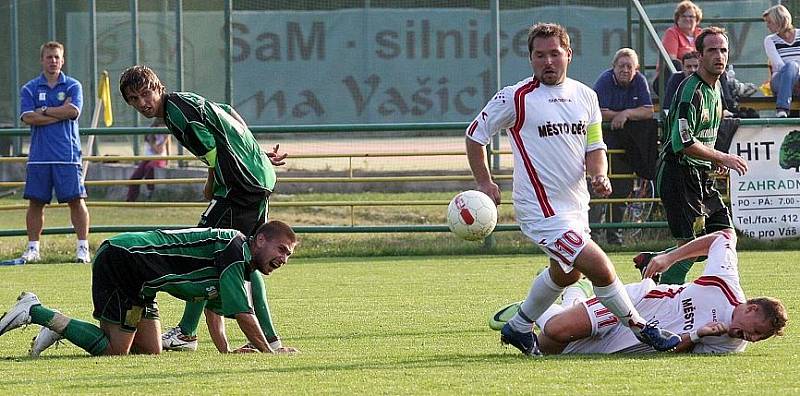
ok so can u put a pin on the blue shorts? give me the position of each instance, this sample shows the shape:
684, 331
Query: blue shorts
41, 179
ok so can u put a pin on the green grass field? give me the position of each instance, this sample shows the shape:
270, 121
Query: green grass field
393, 325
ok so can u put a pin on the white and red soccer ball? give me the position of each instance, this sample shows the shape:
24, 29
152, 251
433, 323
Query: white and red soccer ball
472, 215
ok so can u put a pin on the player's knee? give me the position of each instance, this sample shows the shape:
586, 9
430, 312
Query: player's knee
558, 330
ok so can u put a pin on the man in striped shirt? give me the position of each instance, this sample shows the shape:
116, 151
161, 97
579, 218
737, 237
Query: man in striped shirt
553, 123
711, 314
195, 264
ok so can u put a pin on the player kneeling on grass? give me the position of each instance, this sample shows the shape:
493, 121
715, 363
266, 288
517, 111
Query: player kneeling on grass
191, 264
711, 314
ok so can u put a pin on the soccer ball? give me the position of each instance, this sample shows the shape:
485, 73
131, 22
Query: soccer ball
472, 215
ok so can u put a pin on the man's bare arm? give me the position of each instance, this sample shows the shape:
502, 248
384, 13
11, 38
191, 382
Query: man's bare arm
251, 329
216, 328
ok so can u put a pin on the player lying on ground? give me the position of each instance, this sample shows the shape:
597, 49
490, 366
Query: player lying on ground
711, 313
192, 264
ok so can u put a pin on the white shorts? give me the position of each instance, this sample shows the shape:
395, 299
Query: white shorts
563, 241
608, 334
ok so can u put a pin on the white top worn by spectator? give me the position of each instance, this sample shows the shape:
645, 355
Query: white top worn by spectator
779, 51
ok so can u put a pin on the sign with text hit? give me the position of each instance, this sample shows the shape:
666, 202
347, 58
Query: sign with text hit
766, 201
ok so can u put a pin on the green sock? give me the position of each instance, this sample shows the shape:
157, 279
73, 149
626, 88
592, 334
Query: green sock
87, 336
191, 317
41, 315
83, 334
260, 305
676, 275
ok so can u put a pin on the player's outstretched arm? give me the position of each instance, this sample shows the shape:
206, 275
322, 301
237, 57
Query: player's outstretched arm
695, 248
476, 155
252, 330
216, 328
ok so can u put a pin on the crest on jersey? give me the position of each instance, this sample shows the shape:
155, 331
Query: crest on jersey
705, 116
61, 96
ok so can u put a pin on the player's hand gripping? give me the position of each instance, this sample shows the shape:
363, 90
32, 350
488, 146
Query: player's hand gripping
601, 185
275, 158
657, 265
491, 189
712, 329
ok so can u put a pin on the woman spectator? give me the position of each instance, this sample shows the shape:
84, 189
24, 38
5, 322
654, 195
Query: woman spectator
783, 50
678, 40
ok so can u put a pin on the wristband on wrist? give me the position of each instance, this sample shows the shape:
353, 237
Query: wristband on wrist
694, 336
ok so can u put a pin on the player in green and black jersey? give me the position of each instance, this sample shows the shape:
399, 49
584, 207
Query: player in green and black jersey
196, 264
240, 177
692, 205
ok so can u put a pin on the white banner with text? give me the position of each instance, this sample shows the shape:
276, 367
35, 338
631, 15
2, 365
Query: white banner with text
765, 202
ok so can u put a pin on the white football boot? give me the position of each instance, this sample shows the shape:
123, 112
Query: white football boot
31, 255
82, 255
19, 315
175, 340
45, 339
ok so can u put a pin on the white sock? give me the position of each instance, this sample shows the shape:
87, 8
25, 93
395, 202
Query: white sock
33, 245
542, 294
572, 295
83, 243
547, 315
616, 299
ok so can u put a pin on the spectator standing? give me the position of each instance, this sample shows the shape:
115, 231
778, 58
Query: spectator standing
783, 50
157, 144
623, 95
51, 105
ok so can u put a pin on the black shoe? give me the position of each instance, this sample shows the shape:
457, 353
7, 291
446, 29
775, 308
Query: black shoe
642, 260
527, 343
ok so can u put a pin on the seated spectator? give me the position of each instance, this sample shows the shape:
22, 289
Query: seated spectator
156, 145
783, 50
623, 95
689, 63
679, 38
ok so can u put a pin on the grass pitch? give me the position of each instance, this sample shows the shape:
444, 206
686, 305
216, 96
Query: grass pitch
395, 325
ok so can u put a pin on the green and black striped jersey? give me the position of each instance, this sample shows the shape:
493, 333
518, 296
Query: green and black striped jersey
192, 264
209, 131
694, 117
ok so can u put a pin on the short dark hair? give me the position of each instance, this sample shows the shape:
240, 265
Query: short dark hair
689, 55
699, 41
138, 77
546, 30
276, 229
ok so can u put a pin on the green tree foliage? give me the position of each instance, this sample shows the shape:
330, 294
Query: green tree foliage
790, 151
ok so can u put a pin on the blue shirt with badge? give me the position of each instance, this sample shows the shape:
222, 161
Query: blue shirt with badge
59, 142
613, 96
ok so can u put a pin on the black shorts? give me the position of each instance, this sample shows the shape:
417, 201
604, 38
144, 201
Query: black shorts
116, 299
224, 213
688, 194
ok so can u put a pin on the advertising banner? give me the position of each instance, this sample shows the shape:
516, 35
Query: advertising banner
766, 201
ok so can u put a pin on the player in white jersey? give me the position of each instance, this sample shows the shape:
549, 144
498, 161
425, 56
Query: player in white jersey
554, 126
711, 313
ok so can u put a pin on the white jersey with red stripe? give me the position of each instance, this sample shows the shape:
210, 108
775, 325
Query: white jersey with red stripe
680, 309
548, 126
